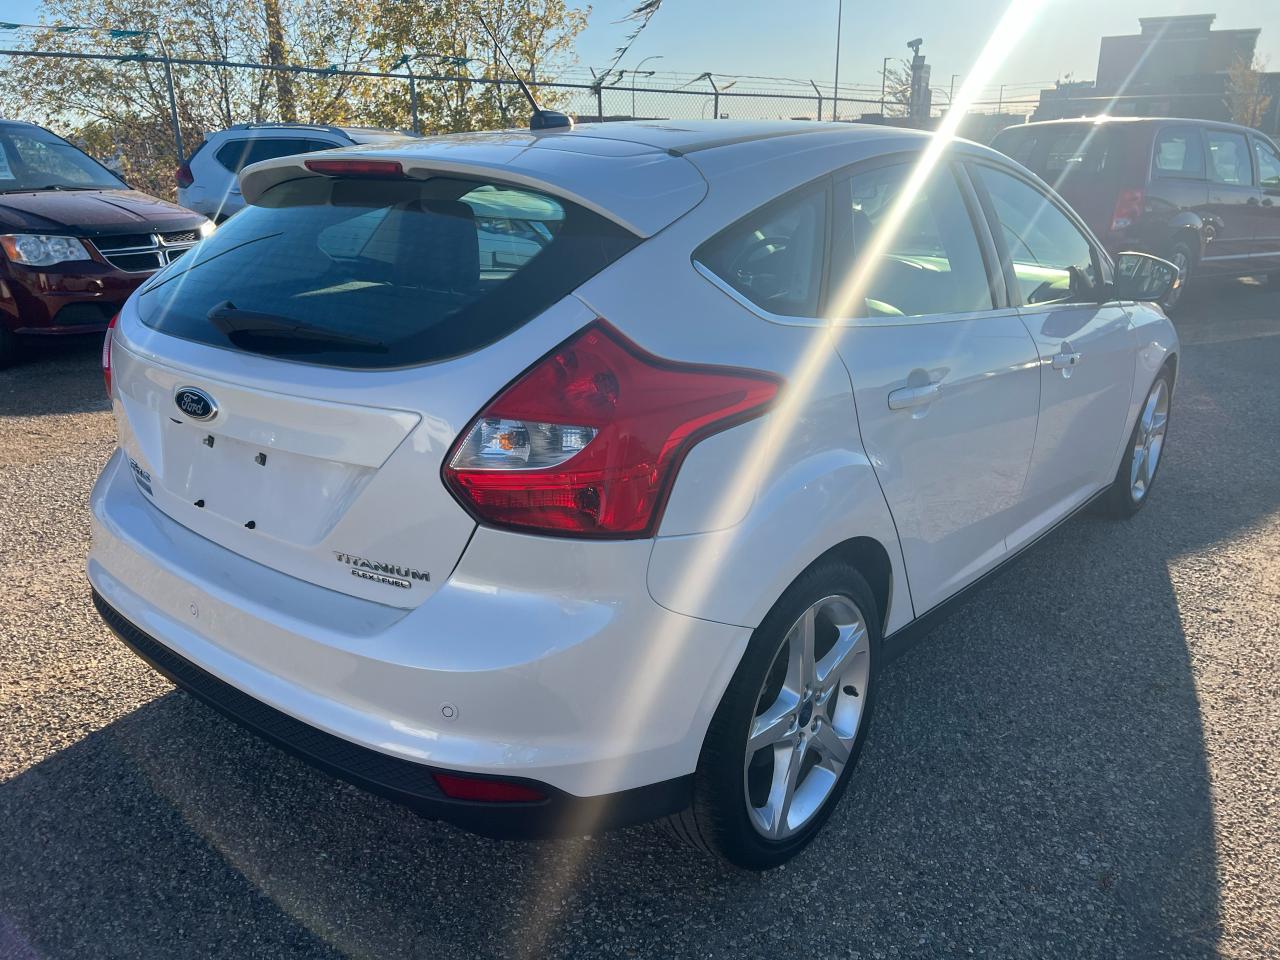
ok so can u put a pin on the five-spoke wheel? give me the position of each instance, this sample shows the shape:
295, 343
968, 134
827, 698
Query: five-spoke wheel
786, 737
807, 716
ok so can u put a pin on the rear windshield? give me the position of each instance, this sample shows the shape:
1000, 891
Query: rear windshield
380, 273
1059, 154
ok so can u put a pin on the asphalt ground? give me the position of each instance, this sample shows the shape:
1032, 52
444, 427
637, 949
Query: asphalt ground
1083, 760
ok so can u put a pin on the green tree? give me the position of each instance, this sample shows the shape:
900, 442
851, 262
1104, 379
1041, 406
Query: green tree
120, 109
1247, 98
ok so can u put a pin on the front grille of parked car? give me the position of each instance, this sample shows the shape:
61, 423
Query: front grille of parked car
144, 252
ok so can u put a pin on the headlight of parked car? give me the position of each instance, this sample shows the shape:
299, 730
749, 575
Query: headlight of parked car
206, 229
38, 250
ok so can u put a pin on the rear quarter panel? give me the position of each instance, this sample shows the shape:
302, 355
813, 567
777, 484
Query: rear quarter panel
753, 507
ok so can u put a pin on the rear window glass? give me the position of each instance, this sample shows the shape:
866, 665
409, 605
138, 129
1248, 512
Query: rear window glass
1059, 154
380, 273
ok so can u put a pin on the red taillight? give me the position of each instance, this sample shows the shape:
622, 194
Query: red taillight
459, 787
1128, 210
356, 168
183, 175
106, 353
587, 442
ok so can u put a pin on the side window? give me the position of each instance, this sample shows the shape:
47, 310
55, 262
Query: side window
1052, 260
1178, 153
774, 256
1228, 158
1268, 164
231, 154
905, 254
237, 154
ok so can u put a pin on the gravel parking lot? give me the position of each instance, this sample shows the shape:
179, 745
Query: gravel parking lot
1083, 760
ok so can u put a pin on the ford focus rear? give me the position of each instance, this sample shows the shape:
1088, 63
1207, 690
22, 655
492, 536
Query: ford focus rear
552, 536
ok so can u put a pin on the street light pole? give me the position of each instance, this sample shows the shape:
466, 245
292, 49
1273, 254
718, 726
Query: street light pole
884, 71
835, 99
634, 74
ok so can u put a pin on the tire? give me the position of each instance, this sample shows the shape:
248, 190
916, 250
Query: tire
1132, 488
736, 796
8, 348
1181, 256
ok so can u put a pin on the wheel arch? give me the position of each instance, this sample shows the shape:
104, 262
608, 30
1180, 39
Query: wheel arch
869, 556
737, 574
1190, 233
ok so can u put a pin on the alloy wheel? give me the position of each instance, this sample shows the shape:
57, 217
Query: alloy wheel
807, 717
1149, 440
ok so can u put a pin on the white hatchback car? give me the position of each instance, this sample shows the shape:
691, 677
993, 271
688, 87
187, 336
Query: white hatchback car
207, 181
624, 523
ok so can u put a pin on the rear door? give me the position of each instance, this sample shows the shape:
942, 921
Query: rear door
945, 377
1233, 200
1178, 189
289, 389
1085, 348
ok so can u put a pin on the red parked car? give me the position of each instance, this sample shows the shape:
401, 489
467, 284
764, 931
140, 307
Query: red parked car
1202, 194
75, 239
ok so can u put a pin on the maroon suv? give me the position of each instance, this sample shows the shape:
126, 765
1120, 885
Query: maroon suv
1202, 194
75, 240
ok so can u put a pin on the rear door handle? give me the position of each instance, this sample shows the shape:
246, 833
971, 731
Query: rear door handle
1064, 360
904, 398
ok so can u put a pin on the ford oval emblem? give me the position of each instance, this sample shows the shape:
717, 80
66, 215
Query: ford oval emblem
196, 404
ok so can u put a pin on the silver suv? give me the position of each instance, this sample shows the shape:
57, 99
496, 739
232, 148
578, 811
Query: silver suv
207, 182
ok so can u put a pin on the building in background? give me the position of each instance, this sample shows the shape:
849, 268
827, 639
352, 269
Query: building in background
1175, 66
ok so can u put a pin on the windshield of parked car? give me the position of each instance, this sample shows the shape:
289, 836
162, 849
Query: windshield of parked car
34, 159
380, 273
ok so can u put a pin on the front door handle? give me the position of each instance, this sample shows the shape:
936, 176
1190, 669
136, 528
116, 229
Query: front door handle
905, 398
1064, 360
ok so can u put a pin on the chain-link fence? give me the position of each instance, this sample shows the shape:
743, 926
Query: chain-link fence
426, 102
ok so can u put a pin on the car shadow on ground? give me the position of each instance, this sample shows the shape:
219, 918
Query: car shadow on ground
54, 375
1035, 785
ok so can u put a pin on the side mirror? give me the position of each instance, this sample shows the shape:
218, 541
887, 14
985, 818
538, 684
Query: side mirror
1142, 277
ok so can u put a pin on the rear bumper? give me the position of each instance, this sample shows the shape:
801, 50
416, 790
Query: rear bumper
554, 663
64, 299
403, 781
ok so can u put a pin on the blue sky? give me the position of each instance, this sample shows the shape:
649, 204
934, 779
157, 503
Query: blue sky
797, 38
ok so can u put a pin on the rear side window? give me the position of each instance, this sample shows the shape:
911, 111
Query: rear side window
237, 154
1178, 154
774, 256
380, 273
1229, 158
